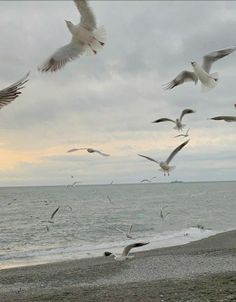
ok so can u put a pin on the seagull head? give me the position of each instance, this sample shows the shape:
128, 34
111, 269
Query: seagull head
193, 63
68, 22
107, 254
70, 25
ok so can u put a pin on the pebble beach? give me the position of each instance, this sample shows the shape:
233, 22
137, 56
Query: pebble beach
203, 270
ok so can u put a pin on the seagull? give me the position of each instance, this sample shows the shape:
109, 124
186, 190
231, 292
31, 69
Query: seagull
54, 213
201, 72
225, 117
162, 215
165, 164
74, 184
86, 39
148, 180
89, 150
178, 122
127, 234
9, 94
109, 200
125, 254
183, 135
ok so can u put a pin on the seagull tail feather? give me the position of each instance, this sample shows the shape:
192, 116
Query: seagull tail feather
211, 83
100, 36
98, 42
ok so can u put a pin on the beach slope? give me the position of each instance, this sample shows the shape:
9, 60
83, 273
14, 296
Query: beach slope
200, 271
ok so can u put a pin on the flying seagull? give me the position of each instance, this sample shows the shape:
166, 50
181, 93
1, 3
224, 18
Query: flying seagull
183, 135
89, 150
225, 117
127, 234
125, 254
201, 72
164, 165
178, 122
86, 39
54, 213
109, 200
75, 183
148, 179
9, 94
162, 214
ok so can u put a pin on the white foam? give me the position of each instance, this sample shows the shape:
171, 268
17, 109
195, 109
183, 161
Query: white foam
165, 239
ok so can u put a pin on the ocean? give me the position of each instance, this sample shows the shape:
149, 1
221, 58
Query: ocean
87, 222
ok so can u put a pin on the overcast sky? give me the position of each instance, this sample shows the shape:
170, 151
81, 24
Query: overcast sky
108, 101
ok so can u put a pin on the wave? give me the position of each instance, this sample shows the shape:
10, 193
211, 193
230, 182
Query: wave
42, 255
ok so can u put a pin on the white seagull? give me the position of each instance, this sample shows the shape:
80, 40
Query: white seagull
125, 255
201, 72
148, 179
127, 234
164, 165
89, 150
9, 94
178, 122
109, 200
163, 215
183, 135
86, 38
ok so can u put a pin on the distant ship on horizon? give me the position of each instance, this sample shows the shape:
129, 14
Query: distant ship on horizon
176, 181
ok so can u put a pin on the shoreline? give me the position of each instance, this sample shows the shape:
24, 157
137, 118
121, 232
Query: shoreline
170, 239
190, 270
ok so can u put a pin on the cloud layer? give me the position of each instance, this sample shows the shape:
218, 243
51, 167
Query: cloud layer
108, 101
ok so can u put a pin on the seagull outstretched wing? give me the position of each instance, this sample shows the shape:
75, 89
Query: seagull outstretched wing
176, 150
62, 56
54, 213
149, 158
183, 77
131, 246
76, 149
224, 118
214, 56
9, 94
101, 153
164, 120
186, 111
88, 19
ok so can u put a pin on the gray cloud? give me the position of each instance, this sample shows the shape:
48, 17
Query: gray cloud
112, 98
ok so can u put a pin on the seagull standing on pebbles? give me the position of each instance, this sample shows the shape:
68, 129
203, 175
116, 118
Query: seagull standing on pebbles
201, 72
165, 164
89, 150
86, 38
125, 255
178, 122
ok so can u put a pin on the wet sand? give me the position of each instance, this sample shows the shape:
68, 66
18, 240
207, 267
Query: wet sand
200, 271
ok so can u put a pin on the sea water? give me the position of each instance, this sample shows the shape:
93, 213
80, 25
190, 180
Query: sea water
89, 217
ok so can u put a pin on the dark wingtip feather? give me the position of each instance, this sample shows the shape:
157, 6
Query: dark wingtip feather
141, 244
107, 254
